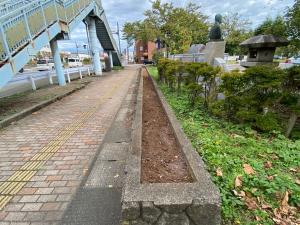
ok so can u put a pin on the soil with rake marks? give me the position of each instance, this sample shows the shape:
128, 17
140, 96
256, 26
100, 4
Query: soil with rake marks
162, 159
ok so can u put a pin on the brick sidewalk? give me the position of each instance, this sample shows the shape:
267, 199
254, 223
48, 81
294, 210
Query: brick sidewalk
44, 157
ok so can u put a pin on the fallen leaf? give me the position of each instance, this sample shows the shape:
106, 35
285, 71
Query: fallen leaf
34, 113
293, 170
274, 157
297, 181
238, 182
284, 205
277, 221
268, 165
253, 190
257, 218
277, 213
266, 206
239, 194
248, 169
219, 172
237, 136
263, 156
270, 178
251, 203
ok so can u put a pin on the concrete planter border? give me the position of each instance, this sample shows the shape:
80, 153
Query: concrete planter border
196, 203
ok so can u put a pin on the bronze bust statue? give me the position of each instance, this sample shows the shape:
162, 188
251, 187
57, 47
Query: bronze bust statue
216, 32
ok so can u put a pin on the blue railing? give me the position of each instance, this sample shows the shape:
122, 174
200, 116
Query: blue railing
21, 21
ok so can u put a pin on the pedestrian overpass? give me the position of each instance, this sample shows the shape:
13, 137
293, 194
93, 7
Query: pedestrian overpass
28, 25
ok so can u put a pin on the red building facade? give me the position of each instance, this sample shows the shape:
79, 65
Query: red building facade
144, 51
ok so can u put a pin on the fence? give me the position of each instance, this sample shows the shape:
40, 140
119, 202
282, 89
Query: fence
49, 75
197, 57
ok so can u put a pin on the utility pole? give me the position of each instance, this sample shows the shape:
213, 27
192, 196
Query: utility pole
77, 49
118, 32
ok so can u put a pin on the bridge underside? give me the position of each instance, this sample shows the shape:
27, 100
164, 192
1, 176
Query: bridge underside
16, 49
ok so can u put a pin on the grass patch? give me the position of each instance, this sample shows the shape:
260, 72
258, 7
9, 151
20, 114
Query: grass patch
153, 71
117, 68
248, 197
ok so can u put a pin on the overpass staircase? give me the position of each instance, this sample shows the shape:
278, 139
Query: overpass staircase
28, 25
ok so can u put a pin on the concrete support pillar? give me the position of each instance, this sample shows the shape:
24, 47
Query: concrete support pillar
94, 46
111, 59
57, 62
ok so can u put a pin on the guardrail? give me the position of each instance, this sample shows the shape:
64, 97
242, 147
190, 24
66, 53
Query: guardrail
33, 78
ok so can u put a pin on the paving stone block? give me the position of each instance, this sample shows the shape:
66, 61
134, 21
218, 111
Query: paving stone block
31, 207
131, 210
150, 213
173, 219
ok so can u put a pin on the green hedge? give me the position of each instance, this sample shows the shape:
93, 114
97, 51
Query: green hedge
266, 97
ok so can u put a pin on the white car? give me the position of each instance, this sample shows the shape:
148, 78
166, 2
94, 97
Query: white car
74, 62
296, 60
45, 64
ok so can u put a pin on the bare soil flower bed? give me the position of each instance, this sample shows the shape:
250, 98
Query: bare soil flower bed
162, 159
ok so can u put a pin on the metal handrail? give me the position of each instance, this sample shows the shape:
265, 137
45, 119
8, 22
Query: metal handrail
81, 71
19, 18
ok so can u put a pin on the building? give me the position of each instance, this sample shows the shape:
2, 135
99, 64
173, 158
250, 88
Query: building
144, 51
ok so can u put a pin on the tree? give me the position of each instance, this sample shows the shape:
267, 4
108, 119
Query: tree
293, 24
141, 30
277, 27
235, 30
176, 27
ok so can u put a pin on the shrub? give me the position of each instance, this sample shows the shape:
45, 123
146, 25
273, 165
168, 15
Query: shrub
87, 61
268, 122
251, 96
202, 75
291, 96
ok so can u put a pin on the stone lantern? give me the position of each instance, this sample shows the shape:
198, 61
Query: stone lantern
262, 50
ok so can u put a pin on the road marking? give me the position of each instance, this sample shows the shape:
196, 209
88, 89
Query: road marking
10, 187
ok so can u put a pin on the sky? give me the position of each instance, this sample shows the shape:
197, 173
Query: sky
131, 10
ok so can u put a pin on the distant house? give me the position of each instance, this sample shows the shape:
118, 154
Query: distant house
144, 51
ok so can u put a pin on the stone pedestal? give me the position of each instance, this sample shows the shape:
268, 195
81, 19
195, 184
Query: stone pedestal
214, 49
252, 64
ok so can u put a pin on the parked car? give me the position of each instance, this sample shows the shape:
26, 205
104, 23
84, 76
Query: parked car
148, 62
45, 64
74, 62
296, 60
277, 57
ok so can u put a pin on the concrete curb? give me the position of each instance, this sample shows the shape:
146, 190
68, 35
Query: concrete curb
196, 203
18, 116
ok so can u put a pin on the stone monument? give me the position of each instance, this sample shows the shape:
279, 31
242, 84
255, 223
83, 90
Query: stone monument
215, 48
215, 33
261, 50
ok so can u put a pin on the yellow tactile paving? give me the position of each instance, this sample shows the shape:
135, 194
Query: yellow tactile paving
4, 200
19, 179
